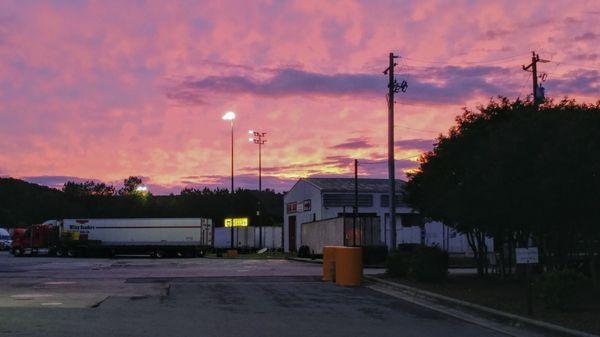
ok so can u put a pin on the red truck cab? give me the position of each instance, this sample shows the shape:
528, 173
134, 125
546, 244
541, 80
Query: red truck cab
35, 240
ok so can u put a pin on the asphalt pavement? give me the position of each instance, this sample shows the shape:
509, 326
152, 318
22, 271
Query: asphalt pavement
201, 297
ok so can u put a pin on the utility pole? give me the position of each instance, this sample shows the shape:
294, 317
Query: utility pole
393, 87
355, 202
538, 95
230, 116
258, 138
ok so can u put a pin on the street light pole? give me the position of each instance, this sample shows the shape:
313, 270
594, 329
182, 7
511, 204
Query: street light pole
230, 116
258, 138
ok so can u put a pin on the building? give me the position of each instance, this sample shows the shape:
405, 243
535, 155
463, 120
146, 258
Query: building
314, 199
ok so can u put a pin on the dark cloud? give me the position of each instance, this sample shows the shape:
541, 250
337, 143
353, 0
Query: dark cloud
587, 36
586, 57
449, 84
575, 82
190, 177
185, 96
415, 144
228, 65
571, 20
352, 144
289, 82
246, 181
493, 34
58, 181
55, 181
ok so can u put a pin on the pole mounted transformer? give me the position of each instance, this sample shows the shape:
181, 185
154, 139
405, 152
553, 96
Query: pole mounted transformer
539, 93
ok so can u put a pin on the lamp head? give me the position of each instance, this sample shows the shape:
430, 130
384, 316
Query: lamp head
229, 116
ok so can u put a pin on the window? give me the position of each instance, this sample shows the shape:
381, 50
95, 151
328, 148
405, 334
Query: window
292, 207
306, 206
385, 200
341, 200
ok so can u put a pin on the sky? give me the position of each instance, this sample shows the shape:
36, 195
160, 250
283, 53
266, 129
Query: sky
103, 90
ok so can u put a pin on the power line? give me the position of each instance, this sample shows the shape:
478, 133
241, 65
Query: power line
384, 162
498, 60
579, 65
415, 129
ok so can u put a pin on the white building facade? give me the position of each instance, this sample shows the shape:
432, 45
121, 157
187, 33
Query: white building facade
313, 199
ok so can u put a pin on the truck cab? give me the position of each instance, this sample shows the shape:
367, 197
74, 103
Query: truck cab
5, 240
36, 240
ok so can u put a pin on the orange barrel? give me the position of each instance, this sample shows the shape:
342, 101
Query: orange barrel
328, 262
348, 266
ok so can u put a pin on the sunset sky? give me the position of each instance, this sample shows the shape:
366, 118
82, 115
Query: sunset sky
106, 89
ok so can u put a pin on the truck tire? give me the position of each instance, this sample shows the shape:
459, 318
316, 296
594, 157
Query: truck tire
159, 254
17, 252
60, 252
72, 253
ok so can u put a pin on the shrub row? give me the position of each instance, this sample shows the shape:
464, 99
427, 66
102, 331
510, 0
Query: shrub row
426, 264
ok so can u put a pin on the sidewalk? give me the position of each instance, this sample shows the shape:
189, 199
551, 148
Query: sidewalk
494, 319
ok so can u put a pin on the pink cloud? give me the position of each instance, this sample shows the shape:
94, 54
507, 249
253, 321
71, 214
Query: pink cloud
110, 89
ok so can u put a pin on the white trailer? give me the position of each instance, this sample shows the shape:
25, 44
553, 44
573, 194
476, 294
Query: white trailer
167, 236
249, 237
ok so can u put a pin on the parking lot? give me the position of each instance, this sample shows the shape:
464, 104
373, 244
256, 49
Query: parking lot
44, 296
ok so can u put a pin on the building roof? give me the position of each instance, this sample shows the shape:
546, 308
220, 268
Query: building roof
346, 185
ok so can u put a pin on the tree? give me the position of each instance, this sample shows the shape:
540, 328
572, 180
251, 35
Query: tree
517, 172
130, 185
76, 190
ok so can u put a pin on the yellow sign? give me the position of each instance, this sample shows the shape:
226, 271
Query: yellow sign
237, 222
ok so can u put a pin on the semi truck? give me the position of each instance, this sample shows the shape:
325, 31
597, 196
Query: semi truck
167, 237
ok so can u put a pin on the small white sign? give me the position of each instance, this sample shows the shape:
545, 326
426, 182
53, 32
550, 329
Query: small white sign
527, 255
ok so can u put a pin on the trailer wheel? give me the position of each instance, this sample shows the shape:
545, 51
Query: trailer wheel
159, 254
17, 252
60, 252
72, 253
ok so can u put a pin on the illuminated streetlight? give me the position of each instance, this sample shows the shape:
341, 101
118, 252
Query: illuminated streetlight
230, 116
142, 189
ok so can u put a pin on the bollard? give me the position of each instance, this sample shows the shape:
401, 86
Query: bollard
348, 266
328, 263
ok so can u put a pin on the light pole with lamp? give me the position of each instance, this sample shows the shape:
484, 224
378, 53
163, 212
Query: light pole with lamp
258, 138
230, 116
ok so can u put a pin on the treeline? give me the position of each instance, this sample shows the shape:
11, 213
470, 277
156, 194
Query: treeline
23, 203
523, 174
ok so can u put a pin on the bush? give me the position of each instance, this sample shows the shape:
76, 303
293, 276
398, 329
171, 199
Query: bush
429, 264
374, 255
397, 263
304, 252
560, 289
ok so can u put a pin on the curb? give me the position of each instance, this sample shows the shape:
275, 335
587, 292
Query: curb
304, 260
482, 309
320, 261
